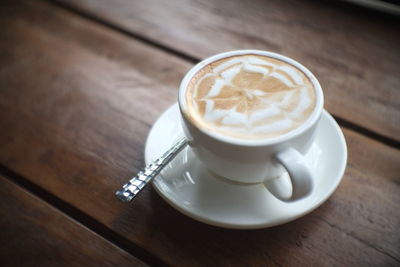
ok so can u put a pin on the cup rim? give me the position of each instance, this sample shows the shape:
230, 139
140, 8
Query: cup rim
312, 119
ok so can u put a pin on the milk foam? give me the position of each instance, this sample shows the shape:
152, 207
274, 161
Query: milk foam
250, 97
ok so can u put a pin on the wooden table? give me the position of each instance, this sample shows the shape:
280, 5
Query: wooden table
79, 82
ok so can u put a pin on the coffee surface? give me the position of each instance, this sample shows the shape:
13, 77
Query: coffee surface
250, 97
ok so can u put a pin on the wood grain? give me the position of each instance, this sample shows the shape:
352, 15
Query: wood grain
354, 55
77, 101
35, 234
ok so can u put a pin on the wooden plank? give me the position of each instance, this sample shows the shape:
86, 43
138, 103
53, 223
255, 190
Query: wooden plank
354, 55
34, 233
77, 103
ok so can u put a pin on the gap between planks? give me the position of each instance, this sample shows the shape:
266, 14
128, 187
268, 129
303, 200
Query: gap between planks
342, 122
82, 218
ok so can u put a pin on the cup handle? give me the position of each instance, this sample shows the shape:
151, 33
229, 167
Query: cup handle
300, 175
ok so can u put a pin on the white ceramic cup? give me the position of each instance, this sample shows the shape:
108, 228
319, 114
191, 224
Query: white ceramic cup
256, 161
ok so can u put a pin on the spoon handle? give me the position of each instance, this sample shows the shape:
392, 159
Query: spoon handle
137, 183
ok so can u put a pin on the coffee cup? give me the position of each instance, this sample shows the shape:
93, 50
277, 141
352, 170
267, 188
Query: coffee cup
250, 116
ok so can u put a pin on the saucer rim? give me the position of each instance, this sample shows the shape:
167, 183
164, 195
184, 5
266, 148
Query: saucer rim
314, 205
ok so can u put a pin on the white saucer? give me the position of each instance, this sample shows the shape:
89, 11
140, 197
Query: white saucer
187, 185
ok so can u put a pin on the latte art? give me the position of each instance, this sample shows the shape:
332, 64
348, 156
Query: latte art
250, 96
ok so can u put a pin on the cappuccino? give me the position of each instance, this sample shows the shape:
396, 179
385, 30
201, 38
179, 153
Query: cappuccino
250, 97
